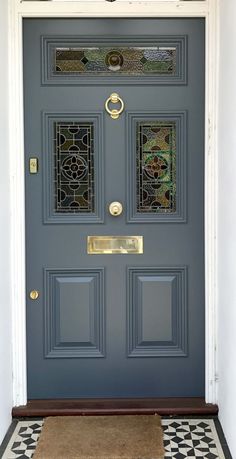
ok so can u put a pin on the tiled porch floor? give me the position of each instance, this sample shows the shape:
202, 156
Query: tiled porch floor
190, 438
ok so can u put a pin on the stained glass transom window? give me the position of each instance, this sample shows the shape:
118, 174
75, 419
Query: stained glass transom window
156, 167
74, 167
156, 60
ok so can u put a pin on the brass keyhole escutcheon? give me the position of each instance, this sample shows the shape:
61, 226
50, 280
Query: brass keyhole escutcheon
115, 208
34, 294
33, 165
114, 99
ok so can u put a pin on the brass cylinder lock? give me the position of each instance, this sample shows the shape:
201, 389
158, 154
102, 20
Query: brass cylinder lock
34, 294
115, 208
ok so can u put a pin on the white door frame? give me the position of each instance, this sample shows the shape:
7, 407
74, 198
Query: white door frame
100, 8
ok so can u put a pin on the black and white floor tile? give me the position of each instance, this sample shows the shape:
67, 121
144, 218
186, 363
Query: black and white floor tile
23, 440
190, 438
183, 438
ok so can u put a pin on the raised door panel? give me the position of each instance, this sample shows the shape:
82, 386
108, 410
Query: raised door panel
74, 313
157, 312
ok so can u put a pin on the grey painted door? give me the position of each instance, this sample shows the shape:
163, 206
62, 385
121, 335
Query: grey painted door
115, 324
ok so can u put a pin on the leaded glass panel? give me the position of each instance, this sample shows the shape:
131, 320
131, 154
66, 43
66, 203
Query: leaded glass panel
156, 167
74, 167
155, 60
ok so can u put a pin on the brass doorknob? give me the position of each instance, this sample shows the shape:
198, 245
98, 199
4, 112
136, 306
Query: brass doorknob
34, 294
115, 208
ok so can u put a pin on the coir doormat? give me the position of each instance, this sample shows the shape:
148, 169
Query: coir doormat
101, 437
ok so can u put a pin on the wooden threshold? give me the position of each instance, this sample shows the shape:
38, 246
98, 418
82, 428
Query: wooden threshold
79, 407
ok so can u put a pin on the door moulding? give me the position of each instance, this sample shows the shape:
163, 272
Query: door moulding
58, 9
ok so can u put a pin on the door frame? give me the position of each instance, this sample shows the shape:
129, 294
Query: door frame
18, 10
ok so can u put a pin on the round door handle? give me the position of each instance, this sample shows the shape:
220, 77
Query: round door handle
115, 208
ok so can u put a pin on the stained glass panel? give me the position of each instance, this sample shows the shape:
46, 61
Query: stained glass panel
156, 167
156, 60
74, 167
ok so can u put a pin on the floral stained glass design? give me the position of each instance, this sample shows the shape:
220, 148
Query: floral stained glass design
74, 167
156, 60
156, 167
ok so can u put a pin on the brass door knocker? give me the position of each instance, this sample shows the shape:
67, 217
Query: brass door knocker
114, 99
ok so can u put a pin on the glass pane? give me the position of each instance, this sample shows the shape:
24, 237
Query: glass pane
157, 60
74, 167
156, 167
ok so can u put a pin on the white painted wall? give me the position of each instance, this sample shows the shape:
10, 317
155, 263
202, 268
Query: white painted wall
227, 223
5, 315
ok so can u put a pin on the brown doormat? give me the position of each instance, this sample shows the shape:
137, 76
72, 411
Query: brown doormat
101, 437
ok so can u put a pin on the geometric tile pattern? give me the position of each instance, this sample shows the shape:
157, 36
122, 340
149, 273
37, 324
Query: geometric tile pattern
191, 438
183, 438
24, 440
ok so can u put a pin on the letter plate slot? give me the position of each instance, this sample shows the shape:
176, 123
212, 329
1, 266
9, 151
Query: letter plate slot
114, 245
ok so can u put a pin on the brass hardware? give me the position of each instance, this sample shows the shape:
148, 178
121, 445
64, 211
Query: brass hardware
33, 165
115, 208
114, 244
34, 294
114, 99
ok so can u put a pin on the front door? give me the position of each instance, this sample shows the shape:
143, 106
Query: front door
114, 150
